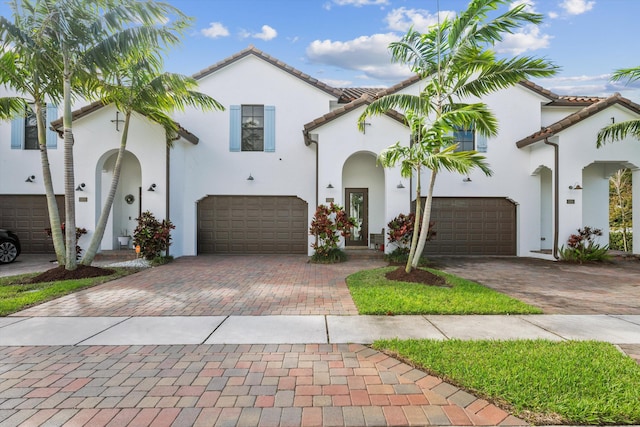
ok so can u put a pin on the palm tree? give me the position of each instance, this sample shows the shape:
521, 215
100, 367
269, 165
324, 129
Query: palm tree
78, 40
25, 67
456, 62
618, 131
137, 86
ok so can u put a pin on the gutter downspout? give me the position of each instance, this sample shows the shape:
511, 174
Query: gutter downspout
556, 195
308, 140
167, 186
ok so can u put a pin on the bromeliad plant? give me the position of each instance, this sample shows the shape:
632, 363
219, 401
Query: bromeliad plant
152, 236
582, 247
329, 224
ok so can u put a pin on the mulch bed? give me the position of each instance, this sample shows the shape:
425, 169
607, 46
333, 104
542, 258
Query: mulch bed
60, 273
417, 275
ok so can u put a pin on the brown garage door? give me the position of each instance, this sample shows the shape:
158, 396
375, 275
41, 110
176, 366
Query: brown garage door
252, 225
473, 226
28, 216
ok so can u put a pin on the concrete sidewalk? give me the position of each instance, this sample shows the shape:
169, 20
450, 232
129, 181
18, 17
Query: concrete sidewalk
313, 329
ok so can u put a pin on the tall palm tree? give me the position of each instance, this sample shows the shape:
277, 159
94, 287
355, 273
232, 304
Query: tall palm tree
138, 87
26, 68
617, 131
80, 39
456, 62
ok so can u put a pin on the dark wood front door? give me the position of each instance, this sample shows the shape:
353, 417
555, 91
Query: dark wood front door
357, 206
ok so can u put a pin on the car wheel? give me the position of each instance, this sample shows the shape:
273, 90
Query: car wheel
8, 252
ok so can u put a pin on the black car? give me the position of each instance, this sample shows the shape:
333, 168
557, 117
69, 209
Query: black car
9, 246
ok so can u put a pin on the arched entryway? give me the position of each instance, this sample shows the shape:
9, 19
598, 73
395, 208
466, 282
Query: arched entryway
363, 186
127, 203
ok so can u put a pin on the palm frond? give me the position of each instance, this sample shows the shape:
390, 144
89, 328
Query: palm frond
630, 74
618, 131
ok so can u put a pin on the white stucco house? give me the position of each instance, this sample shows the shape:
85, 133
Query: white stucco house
248, 179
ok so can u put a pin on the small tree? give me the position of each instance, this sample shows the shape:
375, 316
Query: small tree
152, 236
329, 224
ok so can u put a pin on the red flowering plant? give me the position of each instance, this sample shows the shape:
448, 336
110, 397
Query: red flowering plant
79, 232
329, 224
153, 236
400, 232
582, 247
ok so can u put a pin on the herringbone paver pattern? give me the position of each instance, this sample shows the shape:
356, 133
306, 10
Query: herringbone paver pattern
246, 385
219, 285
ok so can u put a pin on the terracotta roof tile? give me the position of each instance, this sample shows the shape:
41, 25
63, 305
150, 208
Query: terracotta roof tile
252, 50
577, 117
364, 99
56, 125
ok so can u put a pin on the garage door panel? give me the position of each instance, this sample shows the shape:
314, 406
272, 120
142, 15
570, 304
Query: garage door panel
256, 224
473, 226
28, 216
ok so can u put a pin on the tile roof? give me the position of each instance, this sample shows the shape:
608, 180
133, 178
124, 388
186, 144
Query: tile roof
578, 116
560, 100
56, 125
365, 99
252, 50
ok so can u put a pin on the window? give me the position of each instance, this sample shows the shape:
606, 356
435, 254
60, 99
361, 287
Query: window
465, 139
24, 129
252, 128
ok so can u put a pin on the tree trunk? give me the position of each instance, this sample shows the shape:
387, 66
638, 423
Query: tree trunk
52, 205
426, 219
108, 203
416, 224
69, 179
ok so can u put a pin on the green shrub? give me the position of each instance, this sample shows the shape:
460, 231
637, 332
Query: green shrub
617, 243
330, 256
152, 236
582, 247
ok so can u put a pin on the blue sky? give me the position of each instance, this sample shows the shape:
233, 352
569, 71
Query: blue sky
344, 42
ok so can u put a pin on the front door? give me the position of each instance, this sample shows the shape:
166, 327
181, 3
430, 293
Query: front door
357, 206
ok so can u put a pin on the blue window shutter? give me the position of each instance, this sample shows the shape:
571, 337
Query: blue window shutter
234, 128
481, 143
269, 128
17, 133
52, 136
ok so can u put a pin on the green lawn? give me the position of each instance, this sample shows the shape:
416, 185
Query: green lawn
16, 296
374, 294
544, 382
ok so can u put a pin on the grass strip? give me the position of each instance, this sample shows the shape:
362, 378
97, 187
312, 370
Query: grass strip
576, 382
16, 296
373, 293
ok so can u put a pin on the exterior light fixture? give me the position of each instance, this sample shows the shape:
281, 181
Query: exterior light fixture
250, 177
575, 186
30, 178
400, 185
329, 186
152, 188
80, 187
467, 179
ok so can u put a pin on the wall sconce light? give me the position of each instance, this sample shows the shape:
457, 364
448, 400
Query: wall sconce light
467, 179
329, 186
152, 188
80, 187
250, 177
575, 186
400, 185
30, 178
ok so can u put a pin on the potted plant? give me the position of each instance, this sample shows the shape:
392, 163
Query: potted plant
124, 238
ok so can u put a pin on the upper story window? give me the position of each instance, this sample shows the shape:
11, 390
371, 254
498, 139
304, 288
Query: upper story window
469, 140
24, 129
252, 128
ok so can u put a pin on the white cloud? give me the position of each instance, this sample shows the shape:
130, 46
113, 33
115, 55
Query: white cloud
360, 3
528, 39
577, 7
215, 30
367, 54
553, 15
267, 33
530, 5
402, 19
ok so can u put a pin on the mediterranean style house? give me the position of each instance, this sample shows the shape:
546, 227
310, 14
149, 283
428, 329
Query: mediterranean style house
248, 179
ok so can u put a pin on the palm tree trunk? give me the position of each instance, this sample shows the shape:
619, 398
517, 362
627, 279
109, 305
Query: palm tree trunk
416, 224
426, 218
108, 203
52, 205
69, 179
